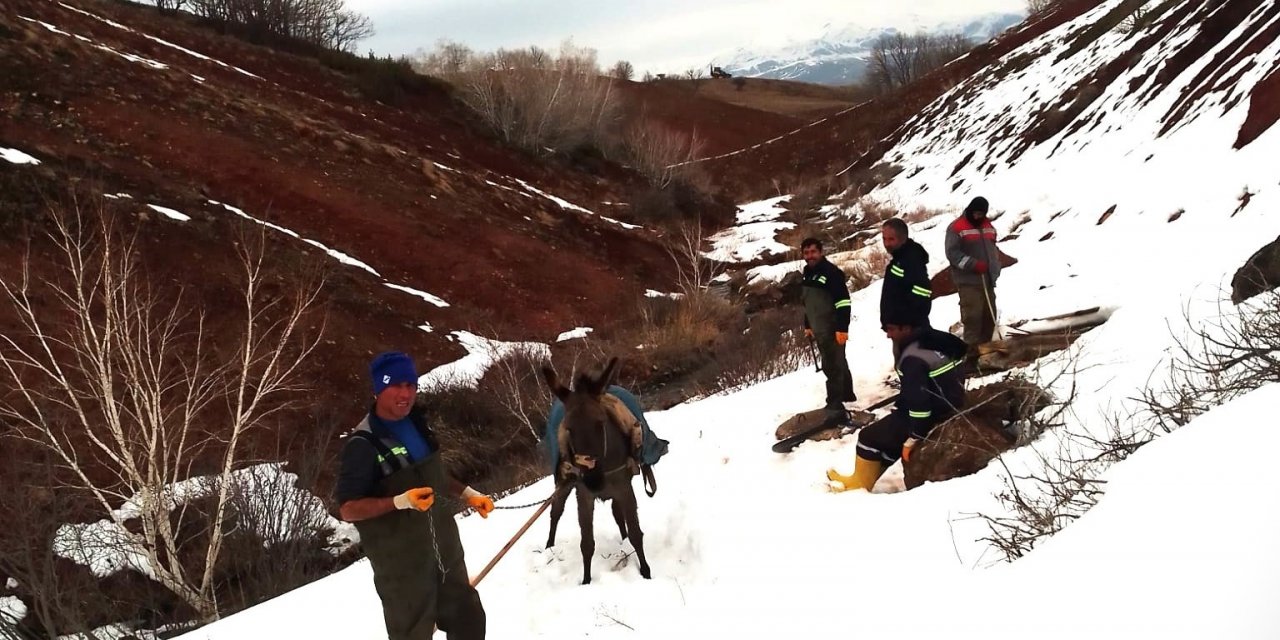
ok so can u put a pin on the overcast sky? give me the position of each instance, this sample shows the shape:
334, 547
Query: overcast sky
656, 35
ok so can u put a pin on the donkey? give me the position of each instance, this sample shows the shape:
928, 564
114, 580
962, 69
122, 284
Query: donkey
600, 456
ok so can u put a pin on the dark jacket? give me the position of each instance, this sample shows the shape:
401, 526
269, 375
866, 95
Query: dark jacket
966, 243
826, 298
905, 297
932, 381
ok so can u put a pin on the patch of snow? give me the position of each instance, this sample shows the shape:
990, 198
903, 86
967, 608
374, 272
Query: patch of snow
573, 334
773, 273
762, 210
96, 17
754, 236
12, 609
107, 547
481, 354
426, 326
565, 204
445, 167
11, 584
333, 253
436, 300
127, 56
651, 293
170, 213
113, 632
17, 157
194, 54
748, 242
197, 78
132, 57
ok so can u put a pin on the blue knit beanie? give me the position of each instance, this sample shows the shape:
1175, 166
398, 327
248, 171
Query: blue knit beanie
391, 368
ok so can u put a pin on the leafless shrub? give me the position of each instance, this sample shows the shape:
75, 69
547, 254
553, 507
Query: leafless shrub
1037, 7
660, 153
117, 378
326, 23
1213, 363
530, 98
622, 70
898, 59
772, 345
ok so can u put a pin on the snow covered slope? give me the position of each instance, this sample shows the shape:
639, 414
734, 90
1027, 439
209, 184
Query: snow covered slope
747, 543
839, 54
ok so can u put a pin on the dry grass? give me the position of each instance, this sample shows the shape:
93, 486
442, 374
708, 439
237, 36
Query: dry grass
800, 99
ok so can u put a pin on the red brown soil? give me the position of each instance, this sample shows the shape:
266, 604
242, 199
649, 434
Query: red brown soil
303, 149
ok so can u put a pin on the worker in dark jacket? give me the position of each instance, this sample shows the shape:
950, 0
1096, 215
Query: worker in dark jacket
826, 321
932, 390
390, 478
975, 267
906, 277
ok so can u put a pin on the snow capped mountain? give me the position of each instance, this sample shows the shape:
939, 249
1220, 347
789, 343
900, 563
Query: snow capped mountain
838, 54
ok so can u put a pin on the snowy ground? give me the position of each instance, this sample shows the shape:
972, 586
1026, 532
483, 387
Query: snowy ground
741, 539
754, 234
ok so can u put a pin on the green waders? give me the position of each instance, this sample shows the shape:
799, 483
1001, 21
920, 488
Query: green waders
407, 563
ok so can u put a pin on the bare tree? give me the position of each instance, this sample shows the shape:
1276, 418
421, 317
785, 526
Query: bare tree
117, 380
170, 6
694, 271
661, 154
1037, 7
898, 59
326, 23
622, 70
530, 98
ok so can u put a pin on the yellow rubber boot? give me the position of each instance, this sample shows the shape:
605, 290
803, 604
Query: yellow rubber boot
865, 474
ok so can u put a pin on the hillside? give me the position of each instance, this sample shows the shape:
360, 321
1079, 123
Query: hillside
784, 97
175, 115
421, 219
1143, 197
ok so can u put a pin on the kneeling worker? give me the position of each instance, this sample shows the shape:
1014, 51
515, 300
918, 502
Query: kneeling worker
932, 390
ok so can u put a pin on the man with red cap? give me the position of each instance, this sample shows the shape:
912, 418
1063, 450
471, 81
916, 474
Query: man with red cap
975, 267
390, 478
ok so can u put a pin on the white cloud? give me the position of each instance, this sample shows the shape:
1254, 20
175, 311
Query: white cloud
658, 35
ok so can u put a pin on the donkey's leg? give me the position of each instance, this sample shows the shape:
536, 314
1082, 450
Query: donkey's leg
557, 509
632, 510
619, 516
586, 509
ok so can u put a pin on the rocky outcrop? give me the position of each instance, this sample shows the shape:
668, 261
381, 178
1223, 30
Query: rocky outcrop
969, 441
1260, 273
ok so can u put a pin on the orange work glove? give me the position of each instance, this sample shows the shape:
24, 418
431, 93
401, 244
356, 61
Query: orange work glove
481, 503
808, 333
419, 499
841, 338
906, 449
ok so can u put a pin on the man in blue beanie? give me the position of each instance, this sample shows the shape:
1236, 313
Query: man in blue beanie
390, 477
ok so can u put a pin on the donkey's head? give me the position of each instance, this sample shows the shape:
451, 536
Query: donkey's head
596, 446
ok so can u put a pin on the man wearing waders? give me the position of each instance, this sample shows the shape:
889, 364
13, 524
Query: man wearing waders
390, 478
975, 267
826, 321
932, 390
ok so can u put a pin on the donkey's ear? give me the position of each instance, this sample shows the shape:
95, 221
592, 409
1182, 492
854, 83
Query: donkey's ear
606, 377
553, 383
